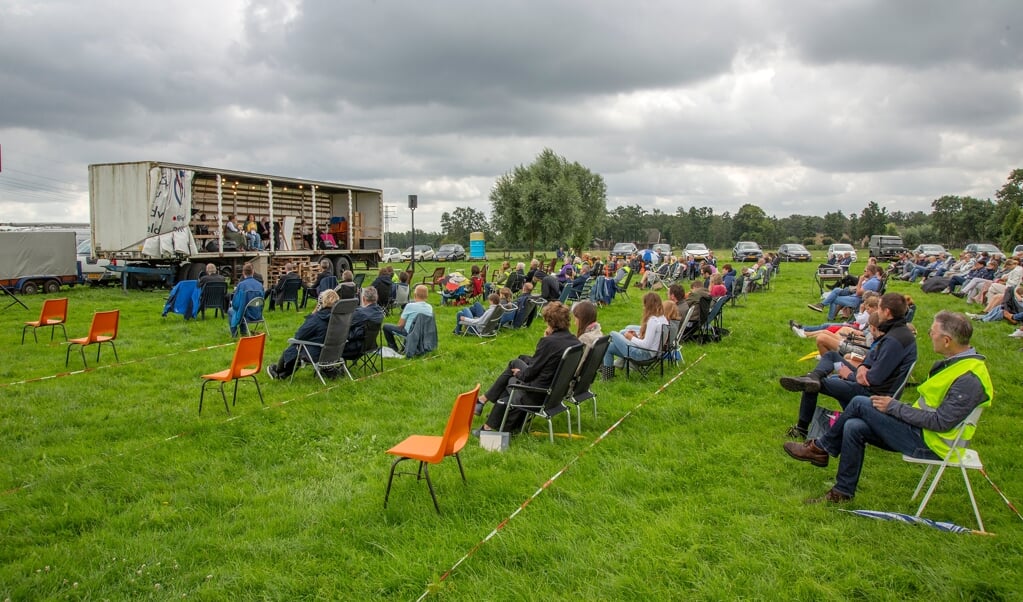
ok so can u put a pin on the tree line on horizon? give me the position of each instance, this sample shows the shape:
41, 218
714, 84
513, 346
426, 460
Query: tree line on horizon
554, 203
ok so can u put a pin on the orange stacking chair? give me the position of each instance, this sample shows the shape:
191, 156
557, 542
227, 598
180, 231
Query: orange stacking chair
431, 449
53, 314
103, 330
247, 362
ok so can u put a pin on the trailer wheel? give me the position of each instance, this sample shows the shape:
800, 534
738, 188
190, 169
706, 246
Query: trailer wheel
340, 265
227, 272
183, 272
30, 288
196, 270
52, 286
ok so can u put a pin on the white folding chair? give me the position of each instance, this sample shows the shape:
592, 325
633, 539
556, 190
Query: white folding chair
959, 456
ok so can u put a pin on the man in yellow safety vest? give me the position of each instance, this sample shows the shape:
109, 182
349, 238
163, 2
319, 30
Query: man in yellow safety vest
957, 384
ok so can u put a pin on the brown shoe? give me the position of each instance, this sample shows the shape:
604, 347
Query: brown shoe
807, 452
816, 307
833, 496
809, 384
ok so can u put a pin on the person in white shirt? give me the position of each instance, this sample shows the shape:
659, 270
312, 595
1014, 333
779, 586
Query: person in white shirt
641, 345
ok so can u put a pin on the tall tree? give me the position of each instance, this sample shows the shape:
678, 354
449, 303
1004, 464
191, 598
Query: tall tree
463, 221
550, 200
1010, 208
751, 223
873, 220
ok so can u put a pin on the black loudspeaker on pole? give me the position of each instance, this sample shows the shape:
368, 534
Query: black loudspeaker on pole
413, 201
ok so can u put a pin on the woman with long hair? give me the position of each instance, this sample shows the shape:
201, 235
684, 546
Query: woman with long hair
641, 345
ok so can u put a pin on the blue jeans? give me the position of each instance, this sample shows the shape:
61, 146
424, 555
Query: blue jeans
859, 425
468, 312
836, 299
621, 347
393, 329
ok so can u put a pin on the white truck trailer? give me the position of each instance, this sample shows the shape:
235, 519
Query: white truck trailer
165, 221
38, 261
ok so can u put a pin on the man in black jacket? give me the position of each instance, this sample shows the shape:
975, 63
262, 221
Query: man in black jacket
886, 364
535, 371
312, 330
276, 294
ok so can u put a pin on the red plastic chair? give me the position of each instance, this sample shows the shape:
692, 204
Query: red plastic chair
431, 449
103, 330
247, 362
53, 314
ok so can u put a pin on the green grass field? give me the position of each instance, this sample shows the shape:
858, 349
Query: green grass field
112, 486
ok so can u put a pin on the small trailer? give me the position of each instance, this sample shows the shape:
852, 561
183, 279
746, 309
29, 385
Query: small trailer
38, 261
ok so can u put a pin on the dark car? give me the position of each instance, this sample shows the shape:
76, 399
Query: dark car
622, 250
746, 251
450, 253
794, 252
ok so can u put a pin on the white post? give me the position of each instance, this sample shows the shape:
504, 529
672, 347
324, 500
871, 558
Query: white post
220, 213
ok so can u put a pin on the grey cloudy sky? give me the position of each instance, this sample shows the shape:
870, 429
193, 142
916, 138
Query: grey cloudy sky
798, 106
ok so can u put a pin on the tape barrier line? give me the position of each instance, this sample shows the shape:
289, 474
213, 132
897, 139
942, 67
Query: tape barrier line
432, 587
108, 366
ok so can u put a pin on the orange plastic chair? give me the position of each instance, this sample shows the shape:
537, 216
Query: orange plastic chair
53, 314
247, 362
103, 330
430, 449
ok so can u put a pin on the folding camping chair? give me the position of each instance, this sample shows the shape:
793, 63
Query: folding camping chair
552, 402
644, 366
488, 328
333, 344
580, 389
372, 357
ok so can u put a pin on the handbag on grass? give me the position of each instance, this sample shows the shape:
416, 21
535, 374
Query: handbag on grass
823, 420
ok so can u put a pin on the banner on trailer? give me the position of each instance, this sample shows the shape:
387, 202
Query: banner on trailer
170, 199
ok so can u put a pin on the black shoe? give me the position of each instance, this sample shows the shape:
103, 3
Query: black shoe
794, 324
271, 371
795, 432
807, 384
479, 408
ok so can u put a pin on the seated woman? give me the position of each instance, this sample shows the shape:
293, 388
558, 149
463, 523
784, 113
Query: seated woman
499, 279
536, 370
347, 288
641, 345
587, 329
313, 330
717, 286
830, 336
475, 315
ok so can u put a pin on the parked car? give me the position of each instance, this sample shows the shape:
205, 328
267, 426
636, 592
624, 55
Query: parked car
622, 250
390, 254
695, 251
929, 250
745, 250
842, 249
663, 249
979, 247
423, 253
94, 271
450, 252
793, 252
884, 246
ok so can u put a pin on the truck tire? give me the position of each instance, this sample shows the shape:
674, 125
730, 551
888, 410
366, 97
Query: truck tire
183, 272
30, 288
52, 286
196, 270
340, 265
228, 273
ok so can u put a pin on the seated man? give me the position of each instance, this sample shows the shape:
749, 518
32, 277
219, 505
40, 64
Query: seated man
418, 306
347, 289
550, 288
699, 298
211, 275
879, 374
369, 312
842, 297
246, 290
523, 303
924, 269
312, 330
957, 384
